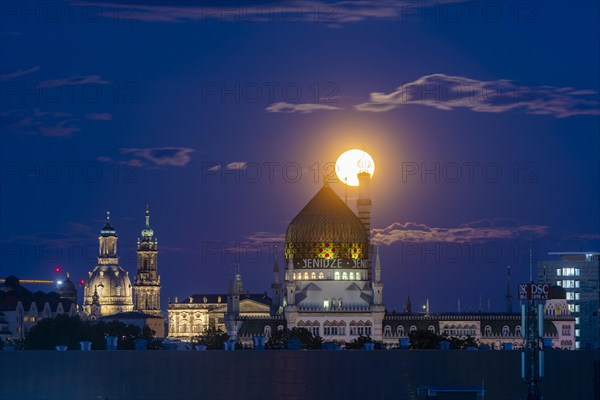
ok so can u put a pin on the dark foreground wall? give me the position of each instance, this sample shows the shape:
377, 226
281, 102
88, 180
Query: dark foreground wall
361, 375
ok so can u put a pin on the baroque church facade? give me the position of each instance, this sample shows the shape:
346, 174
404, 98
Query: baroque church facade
108, 291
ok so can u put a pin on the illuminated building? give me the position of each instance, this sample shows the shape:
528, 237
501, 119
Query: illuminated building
21, 309
579, 274
108, 281
146, 291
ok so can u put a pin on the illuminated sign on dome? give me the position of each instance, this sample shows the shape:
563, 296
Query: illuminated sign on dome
331, 263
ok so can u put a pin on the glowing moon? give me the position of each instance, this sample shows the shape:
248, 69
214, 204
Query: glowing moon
350, 163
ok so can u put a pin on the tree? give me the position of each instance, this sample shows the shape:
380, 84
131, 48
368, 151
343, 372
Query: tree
359, 343
279, 339
213, 338
422, 339
69, 331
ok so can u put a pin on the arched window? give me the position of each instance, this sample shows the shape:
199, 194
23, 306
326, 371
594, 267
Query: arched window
321, 275
351, 275
184, 328
306, 275
413, 329
446, 330
387, 331
518, 330
368, 328
400, 331
473, 330
344, 275
431, 329
342, 328
336, 275
505, 330
294, 276
300, 324
267, 331
487, 330
353, 328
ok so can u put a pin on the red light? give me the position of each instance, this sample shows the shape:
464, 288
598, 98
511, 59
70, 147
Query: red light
57, 269
81, 282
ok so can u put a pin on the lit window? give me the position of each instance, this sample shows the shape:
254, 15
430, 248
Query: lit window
387, 331
576, 284
336, 275
558, 272
577, 309
558, 283
321, 275
488, 330
505, 330
344, 275
577, 320
313, 276
570, 295
306, 275
577, 272
326, 304
351, 274
571, 307
267, 331
576, 296
577, 332
518, 330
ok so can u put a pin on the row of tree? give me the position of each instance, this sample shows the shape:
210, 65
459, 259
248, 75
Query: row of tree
69, 331
214, 339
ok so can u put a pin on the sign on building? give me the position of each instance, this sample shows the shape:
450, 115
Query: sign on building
534, 291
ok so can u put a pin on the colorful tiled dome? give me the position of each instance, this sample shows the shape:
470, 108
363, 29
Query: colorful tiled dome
326, 228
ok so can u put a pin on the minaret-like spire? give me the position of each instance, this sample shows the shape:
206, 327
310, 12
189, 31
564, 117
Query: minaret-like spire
107, 216
408, 304
508, 297
377, 265
276, 285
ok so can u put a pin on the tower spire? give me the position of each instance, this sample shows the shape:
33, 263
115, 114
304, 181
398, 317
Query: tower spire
508, 297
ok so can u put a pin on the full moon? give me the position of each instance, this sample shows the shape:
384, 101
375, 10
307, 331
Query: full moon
350, 163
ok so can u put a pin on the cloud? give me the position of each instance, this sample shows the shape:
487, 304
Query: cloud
332, 13
154, 156
446, 92
411, 232
99, 116
19, 73
303, 108
74, 81
63, 128
37, 122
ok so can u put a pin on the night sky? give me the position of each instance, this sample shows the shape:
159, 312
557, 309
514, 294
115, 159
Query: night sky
482, 119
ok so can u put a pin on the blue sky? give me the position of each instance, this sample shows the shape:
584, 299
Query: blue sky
180, 105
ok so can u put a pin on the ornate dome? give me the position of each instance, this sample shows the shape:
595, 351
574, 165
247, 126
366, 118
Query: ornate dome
113, 286
326, 228
147, 232
108, 229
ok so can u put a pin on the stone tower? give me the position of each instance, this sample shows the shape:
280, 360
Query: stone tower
146, 290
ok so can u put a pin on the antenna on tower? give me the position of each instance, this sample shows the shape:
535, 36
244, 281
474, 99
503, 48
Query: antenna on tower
530, 259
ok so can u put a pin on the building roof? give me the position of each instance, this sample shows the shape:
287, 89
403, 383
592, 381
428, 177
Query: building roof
326, 228
130, 315
222, 298
256, 326
11, 293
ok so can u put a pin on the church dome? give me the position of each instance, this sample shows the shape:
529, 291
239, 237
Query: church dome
113, 286
326, 228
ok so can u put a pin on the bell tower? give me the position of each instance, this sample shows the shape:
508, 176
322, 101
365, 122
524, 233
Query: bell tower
146, 291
